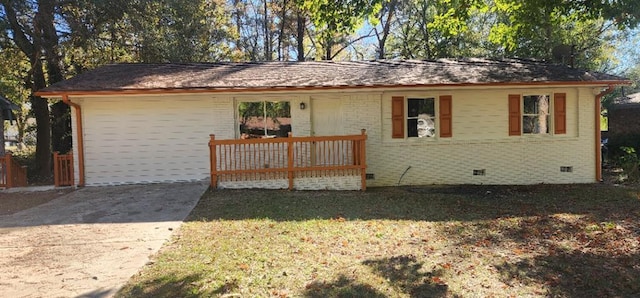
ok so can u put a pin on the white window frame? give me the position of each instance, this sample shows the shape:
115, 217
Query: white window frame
433, 118
549, 124
239, 101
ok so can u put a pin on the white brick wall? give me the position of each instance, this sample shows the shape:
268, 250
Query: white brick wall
135, 139
480, 141
304, 183
139, 139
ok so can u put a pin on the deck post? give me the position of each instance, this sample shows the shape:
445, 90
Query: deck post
56, 169
9, 171
213, 160
363, 160
290, 159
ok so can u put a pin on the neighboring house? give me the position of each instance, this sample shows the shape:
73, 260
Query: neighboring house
6, 108
469, 121
624, 117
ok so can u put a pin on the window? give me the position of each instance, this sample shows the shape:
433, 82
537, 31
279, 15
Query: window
419, 117
535, 114
264, 119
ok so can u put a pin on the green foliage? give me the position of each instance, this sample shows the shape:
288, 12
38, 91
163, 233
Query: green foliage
336, 18
630, 163
14, 71
623, 152
27, 157
533, 28
147, 31
619, 141
438, 29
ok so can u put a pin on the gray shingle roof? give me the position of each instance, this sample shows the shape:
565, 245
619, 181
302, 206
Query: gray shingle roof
342, 74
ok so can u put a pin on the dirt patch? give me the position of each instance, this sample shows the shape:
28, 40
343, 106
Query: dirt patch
17, 201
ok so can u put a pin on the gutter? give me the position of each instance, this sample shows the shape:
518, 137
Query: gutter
79, 132
598, 147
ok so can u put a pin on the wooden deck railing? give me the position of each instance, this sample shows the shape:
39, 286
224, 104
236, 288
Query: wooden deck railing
12, 174
288, 158
63, 169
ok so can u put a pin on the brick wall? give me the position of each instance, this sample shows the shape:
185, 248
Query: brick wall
624, 120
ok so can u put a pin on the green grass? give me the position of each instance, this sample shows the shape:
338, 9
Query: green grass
466, 241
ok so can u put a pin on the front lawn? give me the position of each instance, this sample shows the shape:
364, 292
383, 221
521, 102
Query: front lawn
464, 241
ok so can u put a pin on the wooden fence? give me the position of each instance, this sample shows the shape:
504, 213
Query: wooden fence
12, 174
288, 158
63, 169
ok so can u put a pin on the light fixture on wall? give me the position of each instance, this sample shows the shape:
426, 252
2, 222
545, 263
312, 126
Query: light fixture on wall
303, 106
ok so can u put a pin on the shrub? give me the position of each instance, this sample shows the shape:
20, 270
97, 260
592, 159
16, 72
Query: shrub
616, 143
630, 163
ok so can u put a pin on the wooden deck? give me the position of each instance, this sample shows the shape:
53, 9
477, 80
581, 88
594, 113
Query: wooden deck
288, 158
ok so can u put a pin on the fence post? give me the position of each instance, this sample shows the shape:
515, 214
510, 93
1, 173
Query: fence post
290, 159
7, 162
363, 160
56, 169
213, 161
70, 169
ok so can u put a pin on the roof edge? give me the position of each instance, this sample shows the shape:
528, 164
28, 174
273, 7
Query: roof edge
310, 88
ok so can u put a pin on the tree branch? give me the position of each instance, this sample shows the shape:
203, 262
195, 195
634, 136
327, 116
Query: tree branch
351, 42
19, 35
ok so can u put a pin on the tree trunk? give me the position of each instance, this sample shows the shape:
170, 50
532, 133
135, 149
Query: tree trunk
283, 20
382, 38
328, 42
42, 37
60, 119
40, 109
267, 40
238, 20
300, 36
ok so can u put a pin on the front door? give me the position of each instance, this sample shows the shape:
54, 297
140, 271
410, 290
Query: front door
327, 121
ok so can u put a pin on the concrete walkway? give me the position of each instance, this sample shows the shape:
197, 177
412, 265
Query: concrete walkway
89, 242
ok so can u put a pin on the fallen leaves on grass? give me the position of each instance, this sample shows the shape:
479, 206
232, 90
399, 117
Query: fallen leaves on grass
567, 241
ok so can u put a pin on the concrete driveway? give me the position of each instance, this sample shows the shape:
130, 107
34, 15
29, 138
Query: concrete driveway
89, 242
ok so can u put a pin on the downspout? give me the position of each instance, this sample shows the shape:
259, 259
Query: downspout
598, 145
79, 132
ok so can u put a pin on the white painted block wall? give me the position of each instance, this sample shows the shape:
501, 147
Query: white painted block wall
153, 138
146, 139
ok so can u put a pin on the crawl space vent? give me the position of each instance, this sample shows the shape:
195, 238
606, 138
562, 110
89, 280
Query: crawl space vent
566, 169
479, 172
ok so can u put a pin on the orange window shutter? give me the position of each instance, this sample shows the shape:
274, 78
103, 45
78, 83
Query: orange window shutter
514, 115
397, 117
560, 113
446, 130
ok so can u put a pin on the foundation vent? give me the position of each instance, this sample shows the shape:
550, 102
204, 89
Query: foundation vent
480, 172
370, 176
566, 169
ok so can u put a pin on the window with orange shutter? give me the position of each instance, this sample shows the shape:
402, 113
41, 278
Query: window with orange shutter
420, 117
531, 114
